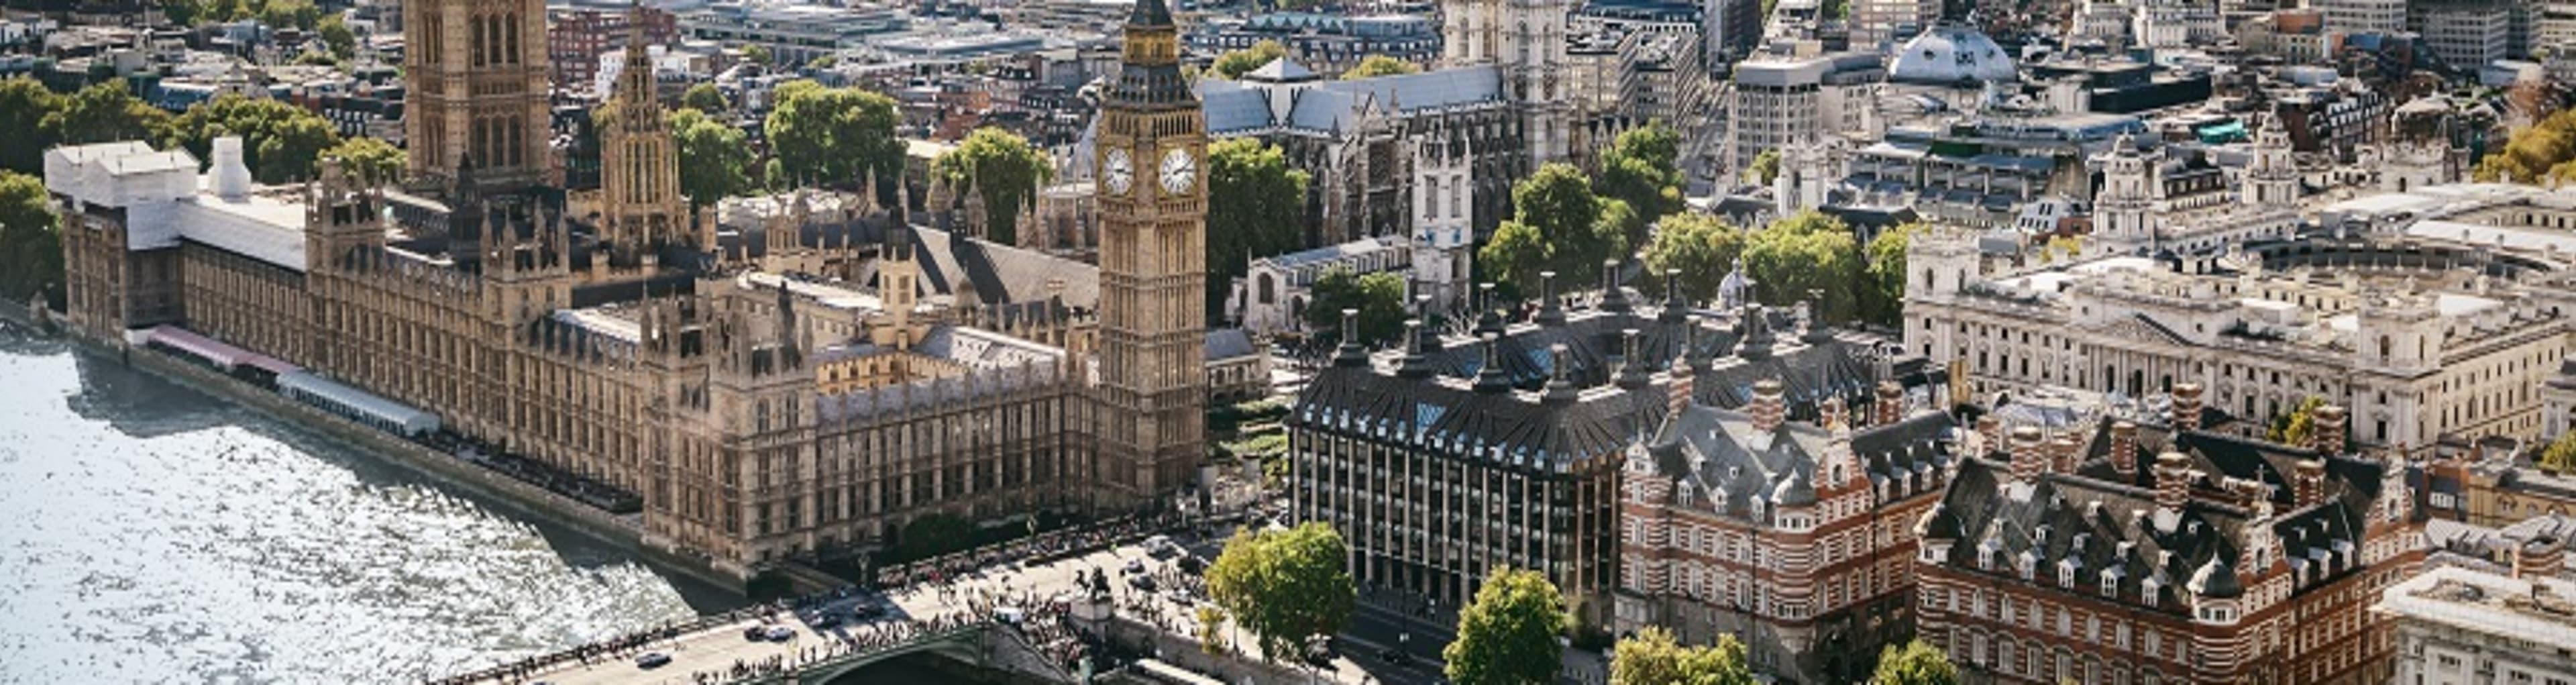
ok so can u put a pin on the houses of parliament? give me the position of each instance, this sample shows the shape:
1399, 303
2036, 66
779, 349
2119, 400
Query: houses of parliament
806, 387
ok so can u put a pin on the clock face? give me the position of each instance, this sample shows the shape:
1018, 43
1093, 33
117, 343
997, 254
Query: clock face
1118, 171
1179, 171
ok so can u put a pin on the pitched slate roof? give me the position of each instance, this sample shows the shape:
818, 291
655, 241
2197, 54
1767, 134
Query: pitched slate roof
1334, 106
1512, 429
1717, 451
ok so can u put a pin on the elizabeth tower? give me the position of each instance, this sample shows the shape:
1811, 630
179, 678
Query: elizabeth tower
477, 75
1152, 398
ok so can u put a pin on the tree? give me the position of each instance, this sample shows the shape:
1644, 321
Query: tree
1703, 247
704, 97
1374, 66
1883, 302
31, 248
1378, 297
2297, 426
1233, 65
1808, 257
1211, 622
1642, 168
1005, 169
1284, 585
1914, 664
1654, 658
25, 104
105, 112
299, 14
755, 54
824, 135
1574, 230
822, 63
2534, 153
1765, 168
280, 141
335, 33
1256, 207
1508, 635
371, 159
714, 162
935, 534
2561, 455
181, 13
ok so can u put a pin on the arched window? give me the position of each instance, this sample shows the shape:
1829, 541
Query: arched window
1266, 288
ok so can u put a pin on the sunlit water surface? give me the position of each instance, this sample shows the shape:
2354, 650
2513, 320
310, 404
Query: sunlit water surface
151, 534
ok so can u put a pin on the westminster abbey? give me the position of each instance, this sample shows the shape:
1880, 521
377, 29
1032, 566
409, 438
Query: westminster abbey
804, 387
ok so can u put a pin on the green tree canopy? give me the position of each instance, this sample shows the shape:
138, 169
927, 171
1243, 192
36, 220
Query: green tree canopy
105, 112
1765, 168
1284, 585
1005, 169
1807, 257
280, 141
2297, 426
704, 97
1883, 302
298, 14
334, 32
371, 159
1914, 664
1256, 208
714, 162
1378, 297
2534, 153
25, 105
31, 248
826, 135
1703, 247
2561, 455
1508, 634
935, 534
1563, 227
1652, 657
1233, 65
1374, 66
755, 54
1642, 168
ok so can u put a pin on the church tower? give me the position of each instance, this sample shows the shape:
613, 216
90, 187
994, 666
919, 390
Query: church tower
1526, 40
476, 72
639, 162
1152, 395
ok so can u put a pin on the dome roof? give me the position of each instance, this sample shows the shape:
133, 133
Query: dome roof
2216, 581
1952, 53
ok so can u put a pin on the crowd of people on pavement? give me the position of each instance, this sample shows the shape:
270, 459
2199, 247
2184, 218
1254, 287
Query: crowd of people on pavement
630, 645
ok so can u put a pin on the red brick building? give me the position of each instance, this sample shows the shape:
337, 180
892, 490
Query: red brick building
575, 38
2106, 548
1795, 536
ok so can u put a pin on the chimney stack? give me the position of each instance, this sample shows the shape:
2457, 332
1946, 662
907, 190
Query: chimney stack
2186, 408
2309, 483
1768, 405
1550, 313
2065, 452
1679, 392
1992, 429
2173, 484
2124, 448
1890, 406
2326, 429
231, 173
2541, 557
2029, 454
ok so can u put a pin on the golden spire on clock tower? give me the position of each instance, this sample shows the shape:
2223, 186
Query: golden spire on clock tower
1150, 406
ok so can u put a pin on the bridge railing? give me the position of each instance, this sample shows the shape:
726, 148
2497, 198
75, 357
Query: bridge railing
863, 653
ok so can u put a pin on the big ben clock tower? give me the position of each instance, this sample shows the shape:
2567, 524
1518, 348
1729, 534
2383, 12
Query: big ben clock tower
1150, 412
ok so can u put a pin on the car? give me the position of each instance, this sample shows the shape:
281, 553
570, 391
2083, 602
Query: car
652, 660
755, 633
1192, 564
781, 633
1134, 566
1390, 655
1141, 582
824, 621
866, 611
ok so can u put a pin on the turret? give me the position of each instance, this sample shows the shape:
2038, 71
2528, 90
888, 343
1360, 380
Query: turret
2123, 214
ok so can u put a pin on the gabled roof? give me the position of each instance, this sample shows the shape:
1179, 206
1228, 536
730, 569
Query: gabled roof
1281, 70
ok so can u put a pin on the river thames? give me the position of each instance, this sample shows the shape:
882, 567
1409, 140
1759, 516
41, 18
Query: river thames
152, 534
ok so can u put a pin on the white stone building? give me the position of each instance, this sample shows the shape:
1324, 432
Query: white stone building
2364, 16
1273, 294
1781, 100
2456, 626
2469, 36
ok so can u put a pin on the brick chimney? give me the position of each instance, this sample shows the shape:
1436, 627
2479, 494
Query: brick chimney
1993, 430
2543, 557
1890, 406
2326, 430
2064, 452
2309, 483
2186, 408
1768, 406
1678, 395
2124, 448
2173, 484
2029, 454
